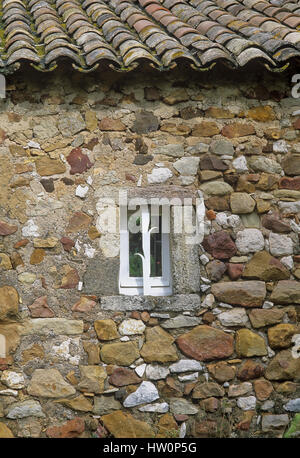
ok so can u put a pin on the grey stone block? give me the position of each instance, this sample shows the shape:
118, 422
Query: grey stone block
175, 303
102, 276
271, 422
185, 265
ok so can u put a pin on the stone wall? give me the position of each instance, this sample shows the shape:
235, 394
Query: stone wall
220, 357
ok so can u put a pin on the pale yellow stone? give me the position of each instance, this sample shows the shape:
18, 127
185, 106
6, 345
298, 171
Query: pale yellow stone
248, 343
91, 120
92, 379
262, 113
60, 326
49, 242
120, 353
79, 403
49, 383
5, 432
9, 301
123, 425
106, 329
280, 336
27, 278
56, 143
46, 166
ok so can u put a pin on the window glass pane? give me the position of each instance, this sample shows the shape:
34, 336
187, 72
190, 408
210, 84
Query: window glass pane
156, 250
135, 244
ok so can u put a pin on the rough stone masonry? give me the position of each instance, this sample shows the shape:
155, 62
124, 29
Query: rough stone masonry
218, 358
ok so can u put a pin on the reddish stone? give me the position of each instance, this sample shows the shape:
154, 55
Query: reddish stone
21, 243
220, 245
263, 389
205, 343
123, 376
67, 243
205, 429
235, 270
40, 308
274, 224
145, 317
78, 161
249, 370
290, 183
210, 404
7, 229
211, 162
180, 418
78, 222
111, 124
245, 423
208, 318
72, 428
210, 214
218, 203
84, 305
135, 315
297, 124
237, 130
70, 280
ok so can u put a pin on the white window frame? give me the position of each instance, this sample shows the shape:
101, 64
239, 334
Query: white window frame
146, 285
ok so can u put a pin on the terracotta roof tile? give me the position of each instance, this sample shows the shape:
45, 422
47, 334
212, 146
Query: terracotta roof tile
292, 21
123, 33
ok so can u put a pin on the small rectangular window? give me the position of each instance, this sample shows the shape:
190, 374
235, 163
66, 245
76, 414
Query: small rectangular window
145, 251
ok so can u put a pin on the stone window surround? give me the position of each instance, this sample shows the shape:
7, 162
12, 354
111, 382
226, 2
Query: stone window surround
185, 263
159, 286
